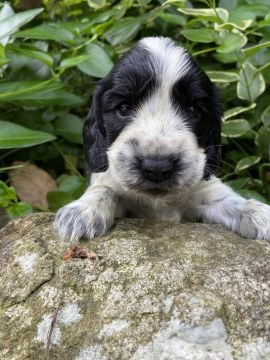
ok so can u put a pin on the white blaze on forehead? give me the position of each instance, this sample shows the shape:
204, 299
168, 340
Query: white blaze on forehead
171, 61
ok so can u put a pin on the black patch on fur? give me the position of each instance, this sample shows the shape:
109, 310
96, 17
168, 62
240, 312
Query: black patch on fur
130, 82
197, 99
94, 136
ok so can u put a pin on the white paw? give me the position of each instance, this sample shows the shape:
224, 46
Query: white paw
90, 216
255, 221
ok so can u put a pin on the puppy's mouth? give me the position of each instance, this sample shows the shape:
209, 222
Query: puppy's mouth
156, 191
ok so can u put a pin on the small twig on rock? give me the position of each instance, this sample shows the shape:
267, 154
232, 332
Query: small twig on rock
50, 332
70, 252
76, 251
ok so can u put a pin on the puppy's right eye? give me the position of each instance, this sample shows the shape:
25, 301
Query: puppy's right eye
124, 110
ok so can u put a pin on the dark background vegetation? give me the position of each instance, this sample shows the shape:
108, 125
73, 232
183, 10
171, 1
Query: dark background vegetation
53, 52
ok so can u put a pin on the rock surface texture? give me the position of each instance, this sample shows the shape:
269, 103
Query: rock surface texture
161, 292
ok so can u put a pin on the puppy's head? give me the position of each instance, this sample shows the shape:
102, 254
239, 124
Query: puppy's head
155, 120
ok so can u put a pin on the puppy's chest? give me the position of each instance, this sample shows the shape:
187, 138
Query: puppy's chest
165, 209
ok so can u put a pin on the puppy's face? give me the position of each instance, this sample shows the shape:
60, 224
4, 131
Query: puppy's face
155, 120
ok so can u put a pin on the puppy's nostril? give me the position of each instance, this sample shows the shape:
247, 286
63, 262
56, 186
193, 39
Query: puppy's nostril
165, 173
157, 169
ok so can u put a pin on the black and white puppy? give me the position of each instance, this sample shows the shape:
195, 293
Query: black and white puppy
152, 142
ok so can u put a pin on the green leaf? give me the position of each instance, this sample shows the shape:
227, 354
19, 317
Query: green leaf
58, 199
7, 194
101, 28
9, 25
48, 32
98, 63
266, 117
200, 35
265, 22
250, 194
247, 162
250, 84
235, 128
226, 58
101, 18
17, 136
237, 110
123, 30
217, 14
16, 60
232, 42
171, 18
37, 93
177, 2
73, 61
236, 24
96, 4
244, 12
263, 140
13, 89
259, 3
5, 12
222, 76
70, 127
228, 4
33, 119
31, 52
72, 184
47, 98
19, 209
238, 183
3, 59
250, 51
144, 2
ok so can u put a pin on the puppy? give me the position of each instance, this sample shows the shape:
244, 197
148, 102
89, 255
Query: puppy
152, 142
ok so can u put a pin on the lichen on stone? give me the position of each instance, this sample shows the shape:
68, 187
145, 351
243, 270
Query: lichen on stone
161, 291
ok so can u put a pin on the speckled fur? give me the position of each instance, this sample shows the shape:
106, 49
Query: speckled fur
157, 127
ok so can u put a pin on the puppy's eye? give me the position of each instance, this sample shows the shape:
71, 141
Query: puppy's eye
193, 111
124, 110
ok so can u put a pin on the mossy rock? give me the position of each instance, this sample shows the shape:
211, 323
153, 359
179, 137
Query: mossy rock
160, 291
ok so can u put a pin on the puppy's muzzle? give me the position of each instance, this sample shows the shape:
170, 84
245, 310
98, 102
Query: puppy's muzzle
157, 169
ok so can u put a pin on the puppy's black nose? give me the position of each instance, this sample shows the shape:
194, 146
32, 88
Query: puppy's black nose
157, 169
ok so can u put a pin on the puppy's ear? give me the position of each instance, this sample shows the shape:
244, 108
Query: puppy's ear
94, 136
213, 139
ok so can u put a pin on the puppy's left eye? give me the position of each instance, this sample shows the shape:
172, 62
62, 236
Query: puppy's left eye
193, 111
124, 110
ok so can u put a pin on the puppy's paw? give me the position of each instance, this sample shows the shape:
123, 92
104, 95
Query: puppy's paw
255, 220
87, 217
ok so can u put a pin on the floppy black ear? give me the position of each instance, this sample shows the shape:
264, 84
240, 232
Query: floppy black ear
213, 138
94, 136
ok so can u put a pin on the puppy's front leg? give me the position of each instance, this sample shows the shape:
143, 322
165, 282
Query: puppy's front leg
217, 203
89, 216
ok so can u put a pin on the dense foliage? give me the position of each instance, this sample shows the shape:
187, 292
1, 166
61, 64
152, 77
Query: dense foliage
51, 56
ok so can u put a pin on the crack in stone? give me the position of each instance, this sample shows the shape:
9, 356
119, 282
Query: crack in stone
12, 303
